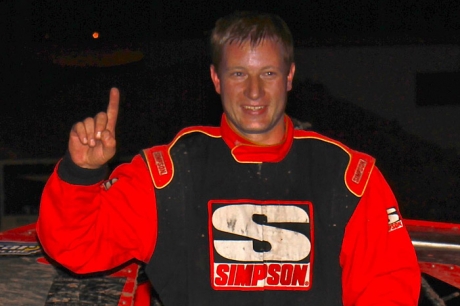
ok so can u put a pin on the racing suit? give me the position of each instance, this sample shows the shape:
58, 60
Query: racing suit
222, 221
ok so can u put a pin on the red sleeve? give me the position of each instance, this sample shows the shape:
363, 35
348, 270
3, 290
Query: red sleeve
379, 265
91, 228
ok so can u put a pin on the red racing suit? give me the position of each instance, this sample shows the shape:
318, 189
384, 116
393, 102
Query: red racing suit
220, 220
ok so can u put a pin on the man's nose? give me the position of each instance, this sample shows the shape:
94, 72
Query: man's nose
254, 88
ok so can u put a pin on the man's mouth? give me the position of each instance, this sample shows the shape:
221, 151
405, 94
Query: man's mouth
253, 108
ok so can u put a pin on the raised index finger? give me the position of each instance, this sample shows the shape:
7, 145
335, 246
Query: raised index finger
112, 110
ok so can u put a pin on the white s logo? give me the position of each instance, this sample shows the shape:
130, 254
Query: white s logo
285, 244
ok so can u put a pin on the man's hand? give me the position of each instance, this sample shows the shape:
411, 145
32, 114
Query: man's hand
92, 141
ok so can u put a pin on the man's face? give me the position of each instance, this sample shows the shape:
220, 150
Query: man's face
253, 83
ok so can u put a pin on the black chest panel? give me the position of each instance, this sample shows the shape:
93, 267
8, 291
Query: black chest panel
309, 180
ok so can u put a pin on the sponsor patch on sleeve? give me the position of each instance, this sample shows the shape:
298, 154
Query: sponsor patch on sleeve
359, 171
394, 219
107, 184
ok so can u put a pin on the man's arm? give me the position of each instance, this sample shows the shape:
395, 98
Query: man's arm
83, 224
88, 228
379, 265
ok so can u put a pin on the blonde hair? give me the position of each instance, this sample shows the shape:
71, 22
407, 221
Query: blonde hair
241, 27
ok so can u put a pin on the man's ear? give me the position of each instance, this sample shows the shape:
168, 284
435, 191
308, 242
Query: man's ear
215, 78
290, 76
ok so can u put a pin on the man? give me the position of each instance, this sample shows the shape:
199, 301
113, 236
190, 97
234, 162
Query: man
249, 213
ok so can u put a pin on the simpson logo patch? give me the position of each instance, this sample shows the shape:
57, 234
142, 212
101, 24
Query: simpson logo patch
259, 245
394, 220
160, 162
358, 175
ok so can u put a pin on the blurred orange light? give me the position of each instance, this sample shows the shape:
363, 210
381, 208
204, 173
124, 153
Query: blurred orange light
96, 35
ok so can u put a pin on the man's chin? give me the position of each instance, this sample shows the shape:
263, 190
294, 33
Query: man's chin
254, 129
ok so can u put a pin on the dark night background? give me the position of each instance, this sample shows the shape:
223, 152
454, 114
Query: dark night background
41, 97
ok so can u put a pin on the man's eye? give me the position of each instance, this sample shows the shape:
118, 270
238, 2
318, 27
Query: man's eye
238, 74
270, 73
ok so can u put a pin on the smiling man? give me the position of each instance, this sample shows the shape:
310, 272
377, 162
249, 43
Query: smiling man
252, 212
253, 81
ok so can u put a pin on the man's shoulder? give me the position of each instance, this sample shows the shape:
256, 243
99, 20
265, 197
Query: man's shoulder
325, 140
158, 158
189, 135
210, 131
360, 165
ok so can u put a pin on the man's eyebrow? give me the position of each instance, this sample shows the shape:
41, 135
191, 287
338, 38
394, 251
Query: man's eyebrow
233, 68
236, 67
271, 67
244, 68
